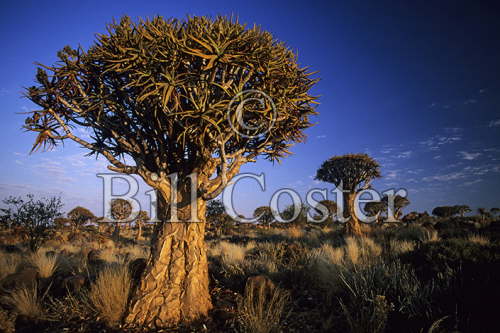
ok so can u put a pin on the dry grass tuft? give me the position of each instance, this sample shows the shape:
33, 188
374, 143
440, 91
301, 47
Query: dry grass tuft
294, 232
400, 247
25, 301
110, 293
135, 252
8, 264
112, 255
262, 309
230, 253
478, 239
327, 262
46, 264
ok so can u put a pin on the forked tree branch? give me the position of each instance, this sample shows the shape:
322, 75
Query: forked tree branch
116, 166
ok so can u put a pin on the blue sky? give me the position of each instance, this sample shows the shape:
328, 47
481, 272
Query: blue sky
415, 85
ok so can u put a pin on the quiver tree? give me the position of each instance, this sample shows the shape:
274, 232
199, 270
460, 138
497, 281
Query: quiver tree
120, 212
375, 208
444, 211
399, 202
78, 216
351, 173
264, 215
217, 216
140, 220
484, 214
168, 95
462, 209
331, 207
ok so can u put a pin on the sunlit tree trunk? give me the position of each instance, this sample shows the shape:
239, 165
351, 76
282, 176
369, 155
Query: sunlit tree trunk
174, 286
353, 226
139, 230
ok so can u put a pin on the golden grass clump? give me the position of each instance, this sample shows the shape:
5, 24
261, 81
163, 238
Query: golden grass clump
327, 262
8, 264
110, 292
294, 232
47, 265
25, 301
262, 309
111, 255
135, 252
231, 253
400, 247
478, 239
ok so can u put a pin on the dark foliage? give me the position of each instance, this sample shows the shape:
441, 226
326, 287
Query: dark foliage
34, 217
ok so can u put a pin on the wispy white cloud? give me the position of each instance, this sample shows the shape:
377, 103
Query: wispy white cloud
437, 141
387, 150
453, 129
445, 177
472, 182
392, 174
404, 154
54, 170
466, 172
468, 156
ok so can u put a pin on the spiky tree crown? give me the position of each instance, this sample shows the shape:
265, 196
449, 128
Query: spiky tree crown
374, 207
264, 214
80, 215
120, 209
164, 92
353, 171
399, 201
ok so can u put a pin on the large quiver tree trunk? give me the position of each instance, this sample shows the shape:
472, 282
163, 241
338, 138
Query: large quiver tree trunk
174, 286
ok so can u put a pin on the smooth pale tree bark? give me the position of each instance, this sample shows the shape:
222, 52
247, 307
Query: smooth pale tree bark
353, 225
174, 287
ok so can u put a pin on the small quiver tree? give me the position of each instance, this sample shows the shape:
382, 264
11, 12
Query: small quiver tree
140, 220
375, 208
331, 207
78, 216
264, 215
120, 212
399, 202
351, 173
217, 217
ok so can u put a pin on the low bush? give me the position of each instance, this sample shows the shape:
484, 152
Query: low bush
466, 276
